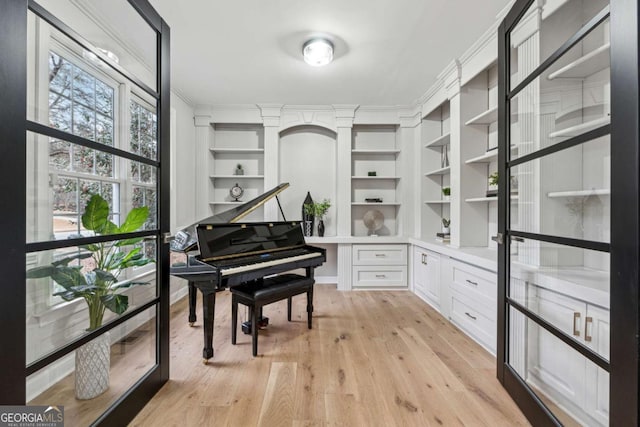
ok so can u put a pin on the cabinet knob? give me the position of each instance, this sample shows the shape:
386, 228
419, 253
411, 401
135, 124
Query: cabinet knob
576, 323
587, 321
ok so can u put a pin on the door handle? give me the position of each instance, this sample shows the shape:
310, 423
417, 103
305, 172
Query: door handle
576, 323
588, 320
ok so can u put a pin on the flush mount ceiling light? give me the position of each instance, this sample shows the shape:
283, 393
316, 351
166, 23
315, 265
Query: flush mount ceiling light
317, 52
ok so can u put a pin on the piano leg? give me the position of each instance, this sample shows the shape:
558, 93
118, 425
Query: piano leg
208, 311
193, 293
310, 272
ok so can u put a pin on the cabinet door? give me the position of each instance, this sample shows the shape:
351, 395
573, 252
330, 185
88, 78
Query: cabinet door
557, 370
426, 276
596, 336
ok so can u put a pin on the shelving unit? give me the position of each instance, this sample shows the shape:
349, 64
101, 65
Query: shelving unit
374, 148
585, 66
580, 193
442, 171
234, 144
440, 141
485, 118
581, 128
437, 202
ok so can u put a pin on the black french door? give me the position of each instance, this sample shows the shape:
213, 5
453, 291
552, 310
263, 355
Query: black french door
85, 110
568, 211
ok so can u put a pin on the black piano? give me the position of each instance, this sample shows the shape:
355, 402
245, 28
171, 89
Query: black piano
222, 252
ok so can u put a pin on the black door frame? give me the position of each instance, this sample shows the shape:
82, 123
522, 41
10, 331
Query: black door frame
13, 130
625, 230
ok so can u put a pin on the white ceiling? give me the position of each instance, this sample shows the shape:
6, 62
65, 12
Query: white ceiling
388, 52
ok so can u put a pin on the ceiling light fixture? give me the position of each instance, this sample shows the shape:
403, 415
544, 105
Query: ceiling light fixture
317, 52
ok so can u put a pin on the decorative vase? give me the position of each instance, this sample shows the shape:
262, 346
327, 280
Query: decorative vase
239, 170
320, 228
93, 361
445, 230
307, 218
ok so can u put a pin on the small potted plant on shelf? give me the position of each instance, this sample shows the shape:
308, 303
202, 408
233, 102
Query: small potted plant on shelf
445, 225
92, 274
492, 191
318, 210
446, 193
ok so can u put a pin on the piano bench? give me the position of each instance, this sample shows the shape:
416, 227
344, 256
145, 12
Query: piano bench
271, 289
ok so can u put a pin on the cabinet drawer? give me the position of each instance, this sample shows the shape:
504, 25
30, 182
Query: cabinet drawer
473, 322
379, 254
381, 277
479, 289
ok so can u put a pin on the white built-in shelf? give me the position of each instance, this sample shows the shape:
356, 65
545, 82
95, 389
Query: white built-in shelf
237, 150
380, 152
581, 128
239, 202
237, 177
439, 141
441, 171
581, 111
580, 193
585, 66
484, 118
437, 202
488, 157
376, 177
375, 204
488, 199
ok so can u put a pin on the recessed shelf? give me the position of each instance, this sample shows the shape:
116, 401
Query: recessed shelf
375, 204
581, 111
441, 171
580, 193
437, 202
488, 157
239, 202
439, 141
237, 150
484, 118
237, 177
376, 177
375, 152
585, 66
581, 128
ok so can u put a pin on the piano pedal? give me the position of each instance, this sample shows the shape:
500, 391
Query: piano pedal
262, 324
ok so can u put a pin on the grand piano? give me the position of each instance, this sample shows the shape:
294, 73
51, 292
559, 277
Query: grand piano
222, 252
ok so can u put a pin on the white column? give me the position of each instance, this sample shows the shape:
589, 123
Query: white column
271, 122
344, 121
203, 186
408, 166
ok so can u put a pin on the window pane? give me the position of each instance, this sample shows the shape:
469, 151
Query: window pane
571, 386
59, 75
143, 131
132, 353
60, 116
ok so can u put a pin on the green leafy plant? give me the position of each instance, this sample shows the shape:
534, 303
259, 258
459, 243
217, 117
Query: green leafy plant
317, 209
446, 222
446, 191
99, 287
493, 178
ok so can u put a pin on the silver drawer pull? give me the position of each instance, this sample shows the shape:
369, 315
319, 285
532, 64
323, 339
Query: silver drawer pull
381, 276
472, 283
381, 255
468, 315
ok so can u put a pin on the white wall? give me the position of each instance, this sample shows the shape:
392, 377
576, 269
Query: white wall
183, 195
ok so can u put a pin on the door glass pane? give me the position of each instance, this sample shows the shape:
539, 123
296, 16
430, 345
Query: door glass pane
566, 193
131, 350
62, 177
542, 30
63, 283
115, 28
570, 98
571, 386
563, 285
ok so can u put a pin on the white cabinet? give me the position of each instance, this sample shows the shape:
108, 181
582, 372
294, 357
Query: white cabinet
379, 266
426, 276
575, 383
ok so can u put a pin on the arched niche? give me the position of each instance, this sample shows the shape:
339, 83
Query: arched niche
307, 159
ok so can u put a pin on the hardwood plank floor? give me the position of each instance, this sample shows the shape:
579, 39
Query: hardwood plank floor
372, 359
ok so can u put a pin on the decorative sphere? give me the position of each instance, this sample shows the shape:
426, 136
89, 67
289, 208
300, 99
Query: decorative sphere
373, 220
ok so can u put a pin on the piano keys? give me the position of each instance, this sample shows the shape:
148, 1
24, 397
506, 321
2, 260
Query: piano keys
231, 254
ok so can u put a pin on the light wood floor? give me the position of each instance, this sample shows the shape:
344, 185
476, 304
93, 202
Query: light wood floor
372, 359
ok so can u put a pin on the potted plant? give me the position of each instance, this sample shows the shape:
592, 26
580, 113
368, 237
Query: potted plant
493, 185
318, 210
446, 193
445, 225
92, 274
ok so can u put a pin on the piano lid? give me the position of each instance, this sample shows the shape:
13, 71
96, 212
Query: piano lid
187, 239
